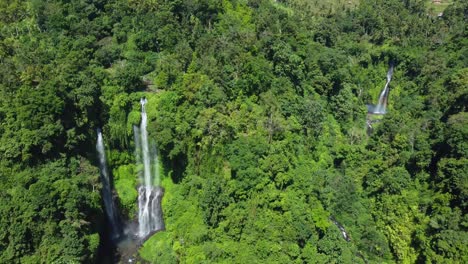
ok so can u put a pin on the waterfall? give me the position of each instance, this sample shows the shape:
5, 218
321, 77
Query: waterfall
149, 192
341, 228
144, 145
381, 107
106, 188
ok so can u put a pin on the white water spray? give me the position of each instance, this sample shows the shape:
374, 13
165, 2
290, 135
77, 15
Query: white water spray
149, 193
106, 188
381, 107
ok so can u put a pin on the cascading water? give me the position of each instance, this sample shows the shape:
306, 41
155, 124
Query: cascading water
341, 228
106, 188
149, 193
381, 107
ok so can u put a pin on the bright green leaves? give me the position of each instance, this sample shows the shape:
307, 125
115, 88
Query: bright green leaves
125, 183
213, 200
199, 89
457, 132
345, 106
258, 111
53, 215
118, 119
30, 124
244, 156
391, 181
452, 177
286, 63
160, 248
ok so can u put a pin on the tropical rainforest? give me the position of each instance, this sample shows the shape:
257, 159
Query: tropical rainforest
258, 111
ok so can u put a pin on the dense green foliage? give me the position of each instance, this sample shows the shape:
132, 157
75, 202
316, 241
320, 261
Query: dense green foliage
258, 111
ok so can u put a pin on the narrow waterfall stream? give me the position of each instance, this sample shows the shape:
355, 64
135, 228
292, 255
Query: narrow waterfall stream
341, 228
109, 206
381, 107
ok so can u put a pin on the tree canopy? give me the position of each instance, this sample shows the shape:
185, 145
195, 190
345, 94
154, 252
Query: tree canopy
258, 109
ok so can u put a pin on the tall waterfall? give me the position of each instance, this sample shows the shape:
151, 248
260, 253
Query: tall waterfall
149, 193
106, 188
381, 107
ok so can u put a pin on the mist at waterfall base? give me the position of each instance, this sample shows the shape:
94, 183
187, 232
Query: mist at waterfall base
381, 107
127, 238
107, 196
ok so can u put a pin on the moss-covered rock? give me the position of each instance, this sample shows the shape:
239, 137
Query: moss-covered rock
125, 182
